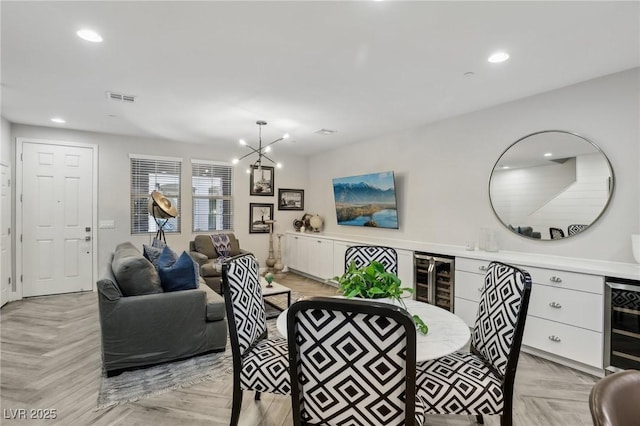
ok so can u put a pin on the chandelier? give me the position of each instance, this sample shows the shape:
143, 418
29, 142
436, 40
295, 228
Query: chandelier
262, 151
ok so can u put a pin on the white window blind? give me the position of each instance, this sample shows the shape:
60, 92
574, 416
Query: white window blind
211, 184
149, 174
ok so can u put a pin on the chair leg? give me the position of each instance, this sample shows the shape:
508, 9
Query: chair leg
237, 405
257, 397
479, 419
505, 418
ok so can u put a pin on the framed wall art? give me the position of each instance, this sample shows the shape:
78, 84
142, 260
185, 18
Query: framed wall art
258, 214
290, 199
261, 181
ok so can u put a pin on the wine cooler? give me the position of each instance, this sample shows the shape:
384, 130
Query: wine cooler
434, 279
622, 325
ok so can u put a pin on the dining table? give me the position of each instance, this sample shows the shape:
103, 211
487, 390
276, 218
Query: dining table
447, 331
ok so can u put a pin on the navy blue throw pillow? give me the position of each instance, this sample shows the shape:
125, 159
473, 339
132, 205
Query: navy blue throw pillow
180, 275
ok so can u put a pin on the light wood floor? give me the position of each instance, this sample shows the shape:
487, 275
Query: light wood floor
50, 359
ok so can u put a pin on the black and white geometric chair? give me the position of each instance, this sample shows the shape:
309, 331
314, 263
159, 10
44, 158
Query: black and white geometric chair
352, 363
575, 228
363, 255
481, 381
556, 233
259, 363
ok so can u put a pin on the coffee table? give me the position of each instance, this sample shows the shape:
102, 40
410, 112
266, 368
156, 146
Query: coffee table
274, 290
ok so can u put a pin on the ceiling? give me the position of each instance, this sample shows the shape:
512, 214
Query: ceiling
204, 72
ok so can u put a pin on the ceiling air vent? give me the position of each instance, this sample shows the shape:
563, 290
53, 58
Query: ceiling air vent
325, 131
120, 97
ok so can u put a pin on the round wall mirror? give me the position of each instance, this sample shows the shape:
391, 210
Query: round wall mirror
550, 185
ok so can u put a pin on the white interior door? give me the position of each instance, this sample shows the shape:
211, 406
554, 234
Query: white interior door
5, 235
57, 203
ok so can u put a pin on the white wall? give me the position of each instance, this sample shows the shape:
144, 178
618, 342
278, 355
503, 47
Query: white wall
114, 186
6, 151
442, 170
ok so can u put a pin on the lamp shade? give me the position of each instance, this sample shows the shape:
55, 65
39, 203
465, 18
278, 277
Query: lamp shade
161, 207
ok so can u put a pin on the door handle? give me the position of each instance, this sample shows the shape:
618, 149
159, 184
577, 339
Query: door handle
87, 238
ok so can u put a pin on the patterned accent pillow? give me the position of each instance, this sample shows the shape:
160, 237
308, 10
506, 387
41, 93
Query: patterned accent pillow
180, 275
222, 244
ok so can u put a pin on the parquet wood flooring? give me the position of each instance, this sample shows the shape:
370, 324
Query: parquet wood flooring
50, 359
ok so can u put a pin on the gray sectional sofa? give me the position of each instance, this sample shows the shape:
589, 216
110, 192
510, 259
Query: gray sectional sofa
153, 327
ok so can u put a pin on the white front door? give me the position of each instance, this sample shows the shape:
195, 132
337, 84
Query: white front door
5, 235
57, 203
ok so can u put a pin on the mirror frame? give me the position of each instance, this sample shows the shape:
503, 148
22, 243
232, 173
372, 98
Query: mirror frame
612, 183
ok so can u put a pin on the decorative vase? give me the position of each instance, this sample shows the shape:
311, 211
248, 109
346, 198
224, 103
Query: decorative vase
279, 266
635, 246
271, 260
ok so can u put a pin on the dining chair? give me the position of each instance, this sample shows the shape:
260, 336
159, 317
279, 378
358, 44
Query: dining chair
615, 399
352, 362
481, 381
556, 233
260, 364
575, 228
363, 255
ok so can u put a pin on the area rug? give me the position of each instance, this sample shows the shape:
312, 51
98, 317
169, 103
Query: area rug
143, 383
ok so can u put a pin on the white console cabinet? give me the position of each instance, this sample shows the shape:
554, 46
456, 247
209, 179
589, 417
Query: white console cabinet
322, 257
565, 318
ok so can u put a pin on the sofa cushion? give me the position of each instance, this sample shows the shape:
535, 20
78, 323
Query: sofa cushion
178, 275
205, 246
215, 305
135, 274
209, 269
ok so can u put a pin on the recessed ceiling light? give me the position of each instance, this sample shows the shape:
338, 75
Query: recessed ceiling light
58, 120
506, 167
89, 35
548, 154
498, 57
469, 74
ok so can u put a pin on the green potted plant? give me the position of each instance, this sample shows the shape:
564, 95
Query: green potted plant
374, 282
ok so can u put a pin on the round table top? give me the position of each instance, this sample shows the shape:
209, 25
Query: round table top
447, 332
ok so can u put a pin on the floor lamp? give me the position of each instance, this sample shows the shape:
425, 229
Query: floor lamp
162, 209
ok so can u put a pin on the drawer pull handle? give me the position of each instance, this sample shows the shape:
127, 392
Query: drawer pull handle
555, 279
555, 305
482, 268
554, 338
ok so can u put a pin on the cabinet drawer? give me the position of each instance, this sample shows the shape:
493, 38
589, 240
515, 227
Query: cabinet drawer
563, 340
567, 306
468, 285
564, 279
467, 310
472, 265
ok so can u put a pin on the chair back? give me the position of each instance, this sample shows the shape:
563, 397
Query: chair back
575, 228
497, 333
615, 399
363, 255
556, 233
352, 362
244, 303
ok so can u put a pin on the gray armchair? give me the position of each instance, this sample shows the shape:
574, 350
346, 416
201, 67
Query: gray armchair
203, 251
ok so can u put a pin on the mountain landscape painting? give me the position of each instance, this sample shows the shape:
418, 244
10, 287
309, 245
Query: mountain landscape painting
366, 200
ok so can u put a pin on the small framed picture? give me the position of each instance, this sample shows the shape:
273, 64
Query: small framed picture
259, 214
261, 181
290, 199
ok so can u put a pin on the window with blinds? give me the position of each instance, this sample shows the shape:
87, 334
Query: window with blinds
211, 184
149, 174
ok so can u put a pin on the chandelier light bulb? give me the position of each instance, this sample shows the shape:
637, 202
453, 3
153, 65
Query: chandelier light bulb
285, 136
242, 142
248, 171
235, 161
267, 149
279, 165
